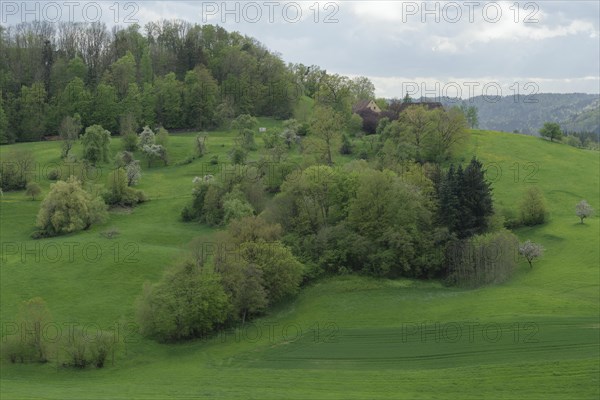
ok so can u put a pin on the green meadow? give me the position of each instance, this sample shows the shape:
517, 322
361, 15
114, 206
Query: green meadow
536, 336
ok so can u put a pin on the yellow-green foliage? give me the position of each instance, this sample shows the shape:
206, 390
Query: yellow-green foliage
69, 208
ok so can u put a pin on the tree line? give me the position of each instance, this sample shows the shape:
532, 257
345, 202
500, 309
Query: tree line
170, 73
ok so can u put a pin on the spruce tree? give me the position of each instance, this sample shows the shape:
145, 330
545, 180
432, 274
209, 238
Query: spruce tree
448, 200
475, 199
465, 200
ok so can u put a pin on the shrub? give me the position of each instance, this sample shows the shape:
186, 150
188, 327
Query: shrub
355, 124
346, 147
100, 348
147, 137
119, 193
54, 175
188, 213
82, 350
533, 207
155, 152
29, 344
162, 137
207, 203
273, 174
187, 303
482, 259
238, 156
245, 125
512, 219
573, 141
132, 167
14, 169
68, 208
235, 208
76, 350
129, 142
16, 350
33, 190
382, 124
304, 129
201, 145
254, 193
271, 139
134, 173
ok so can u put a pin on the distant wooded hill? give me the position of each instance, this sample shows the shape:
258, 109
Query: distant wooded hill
575, 112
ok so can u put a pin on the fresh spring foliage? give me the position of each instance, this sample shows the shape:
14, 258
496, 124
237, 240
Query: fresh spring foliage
118, 190
533, 207
68, 208
96, 144
188, 302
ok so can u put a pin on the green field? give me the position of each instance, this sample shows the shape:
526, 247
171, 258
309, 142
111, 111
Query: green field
535, 337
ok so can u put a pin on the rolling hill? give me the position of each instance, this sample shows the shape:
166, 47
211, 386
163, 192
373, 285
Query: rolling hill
350, 337
526, 114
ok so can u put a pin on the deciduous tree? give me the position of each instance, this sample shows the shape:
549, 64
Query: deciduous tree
96, 144
69, 131
188, 302
68, 208
551, 130
33, 190
583, 210
531, 251
326, 128
533, 207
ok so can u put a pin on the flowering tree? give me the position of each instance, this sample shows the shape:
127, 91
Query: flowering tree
531, 251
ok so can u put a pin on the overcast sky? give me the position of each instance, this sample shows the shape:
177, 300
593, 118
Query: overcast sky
435, 48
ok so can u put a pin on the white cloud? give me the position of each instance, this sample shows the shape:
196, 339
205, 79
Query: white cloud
456, 29
379, 10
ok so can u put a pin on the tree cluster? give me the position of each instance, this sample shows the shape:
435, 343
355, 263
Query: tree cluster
172, 73
422, 135
465, 200
31, 343
250, 270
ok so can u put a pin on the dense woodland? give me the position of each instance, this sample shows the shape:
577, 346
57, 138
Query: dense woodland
170, 73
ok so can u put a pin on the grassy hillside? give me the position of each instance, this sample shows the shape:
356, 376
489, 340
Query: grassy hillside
536, 336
